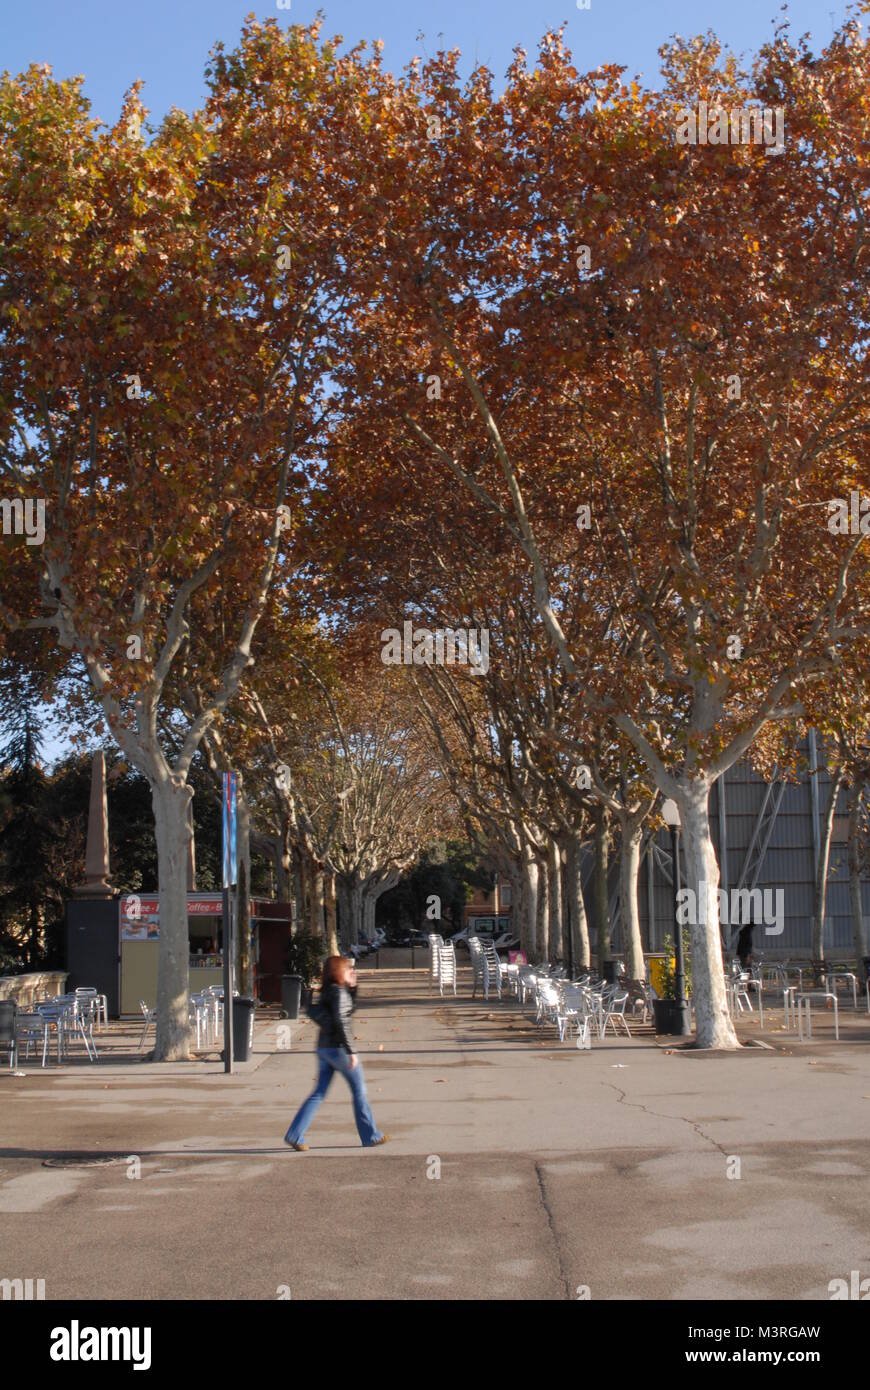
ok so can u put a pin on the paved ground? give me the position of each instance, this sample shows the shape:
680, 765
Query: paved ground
559, 1169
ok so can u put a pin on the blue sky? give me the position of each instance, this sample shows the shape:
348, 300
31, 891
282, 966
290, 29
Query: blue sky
166, 41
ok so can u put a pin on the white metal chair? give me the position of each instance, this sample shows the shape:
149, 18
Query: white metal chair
836, 977
198, 1014
446, 967
475, 948
598, 997
31, 1028
435, 944
614, 1012
491, 971
87, 992
739, 992
215, 995
149, 1016
525, 984
56, 1015
548, 999
805, 1000
573, 1009
789, 1006
642, 1002
85, 1013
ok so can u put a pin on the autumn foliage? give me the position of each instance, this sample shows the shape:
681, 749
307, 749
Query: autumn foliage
344, 349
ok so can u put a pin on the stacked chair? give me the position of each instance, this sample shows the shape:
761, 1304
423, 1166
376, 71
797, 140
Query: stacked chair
435, 944
446, 967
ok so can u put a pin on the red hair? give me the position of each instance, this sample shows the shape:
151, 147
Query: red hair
336, 970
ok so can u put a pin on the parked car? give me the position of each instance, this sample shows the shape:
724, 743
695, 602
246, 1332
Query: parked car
417, 939
505, 941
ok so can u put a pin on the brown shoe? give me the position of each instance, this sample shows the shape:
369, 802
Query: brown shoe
384, 1139
300, 1148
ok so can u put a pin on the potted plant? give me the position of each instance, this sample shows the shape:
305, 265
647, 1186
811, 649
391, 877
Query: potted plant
669, 1014
304, 955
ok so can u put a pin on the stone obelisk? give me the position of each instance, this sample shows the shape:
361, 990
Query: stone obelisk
96, 884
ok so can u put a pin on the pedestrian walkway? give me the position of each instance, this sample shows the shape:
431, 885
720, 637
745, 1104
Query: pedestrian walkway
519, 1167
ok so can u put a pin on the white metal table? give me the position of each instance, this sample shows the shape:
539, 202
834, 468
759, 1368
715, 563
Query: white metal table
832, 979
806, 998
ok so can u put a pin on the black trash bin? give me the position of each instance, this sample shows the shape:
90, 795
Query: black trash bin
243, 1029
866, 960
291, 995
672, 1017
608, 971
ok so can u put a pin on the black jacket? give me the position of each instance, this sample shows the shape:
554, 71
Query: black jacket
334, 1018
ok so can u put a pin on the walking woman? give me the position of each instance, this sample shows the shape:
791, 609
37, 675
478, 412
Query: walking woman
335, 1054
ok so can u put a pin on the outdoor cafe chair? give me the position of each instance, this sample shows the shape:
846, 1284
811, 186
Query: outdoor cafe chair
738, 992
435, 944
548, 1002
510, 977
446, 967
30, 1029
809, 997
614, 1012
211, 1007
148, 1015
59, 1016
596, 1002
525, 984
591, 1014
642, 1001
217, 997
833, 979
215, 993
475, 948
198, 1014
772, 974
100, 1002
574, 1009
492, 971
71, 1015
789, 1006
84, 1016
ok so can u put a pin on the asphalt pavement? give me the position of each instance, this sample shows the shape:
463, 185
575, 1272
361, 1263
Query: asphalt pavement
518, 1168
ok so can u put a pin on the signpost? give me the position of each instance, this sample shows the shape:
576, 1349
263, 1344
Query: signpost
230, 878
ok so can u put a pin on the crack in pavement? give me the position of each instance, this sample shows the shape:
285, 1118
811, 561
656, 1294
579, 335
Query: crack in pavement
657, 1114
563, 1273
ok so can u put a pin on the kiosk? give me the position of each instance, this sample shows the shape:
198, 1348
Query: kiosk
115, 945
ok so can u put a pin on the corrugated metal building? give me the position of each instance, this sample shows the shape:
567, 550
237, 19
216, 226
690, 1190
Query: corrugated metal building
769, 840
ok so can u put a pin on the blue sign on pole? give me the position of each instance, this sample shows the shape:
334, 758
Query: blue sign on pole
230, 791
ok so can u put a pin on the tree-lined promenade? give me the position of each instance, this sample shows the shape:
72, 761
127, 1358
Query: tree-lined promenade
343, 351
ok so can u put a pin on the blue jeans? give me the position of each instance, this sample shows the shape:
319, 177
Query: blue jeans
330, 1060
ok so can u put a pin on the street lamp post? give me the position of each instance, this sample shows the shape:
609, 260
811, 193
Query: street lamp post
671, 815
